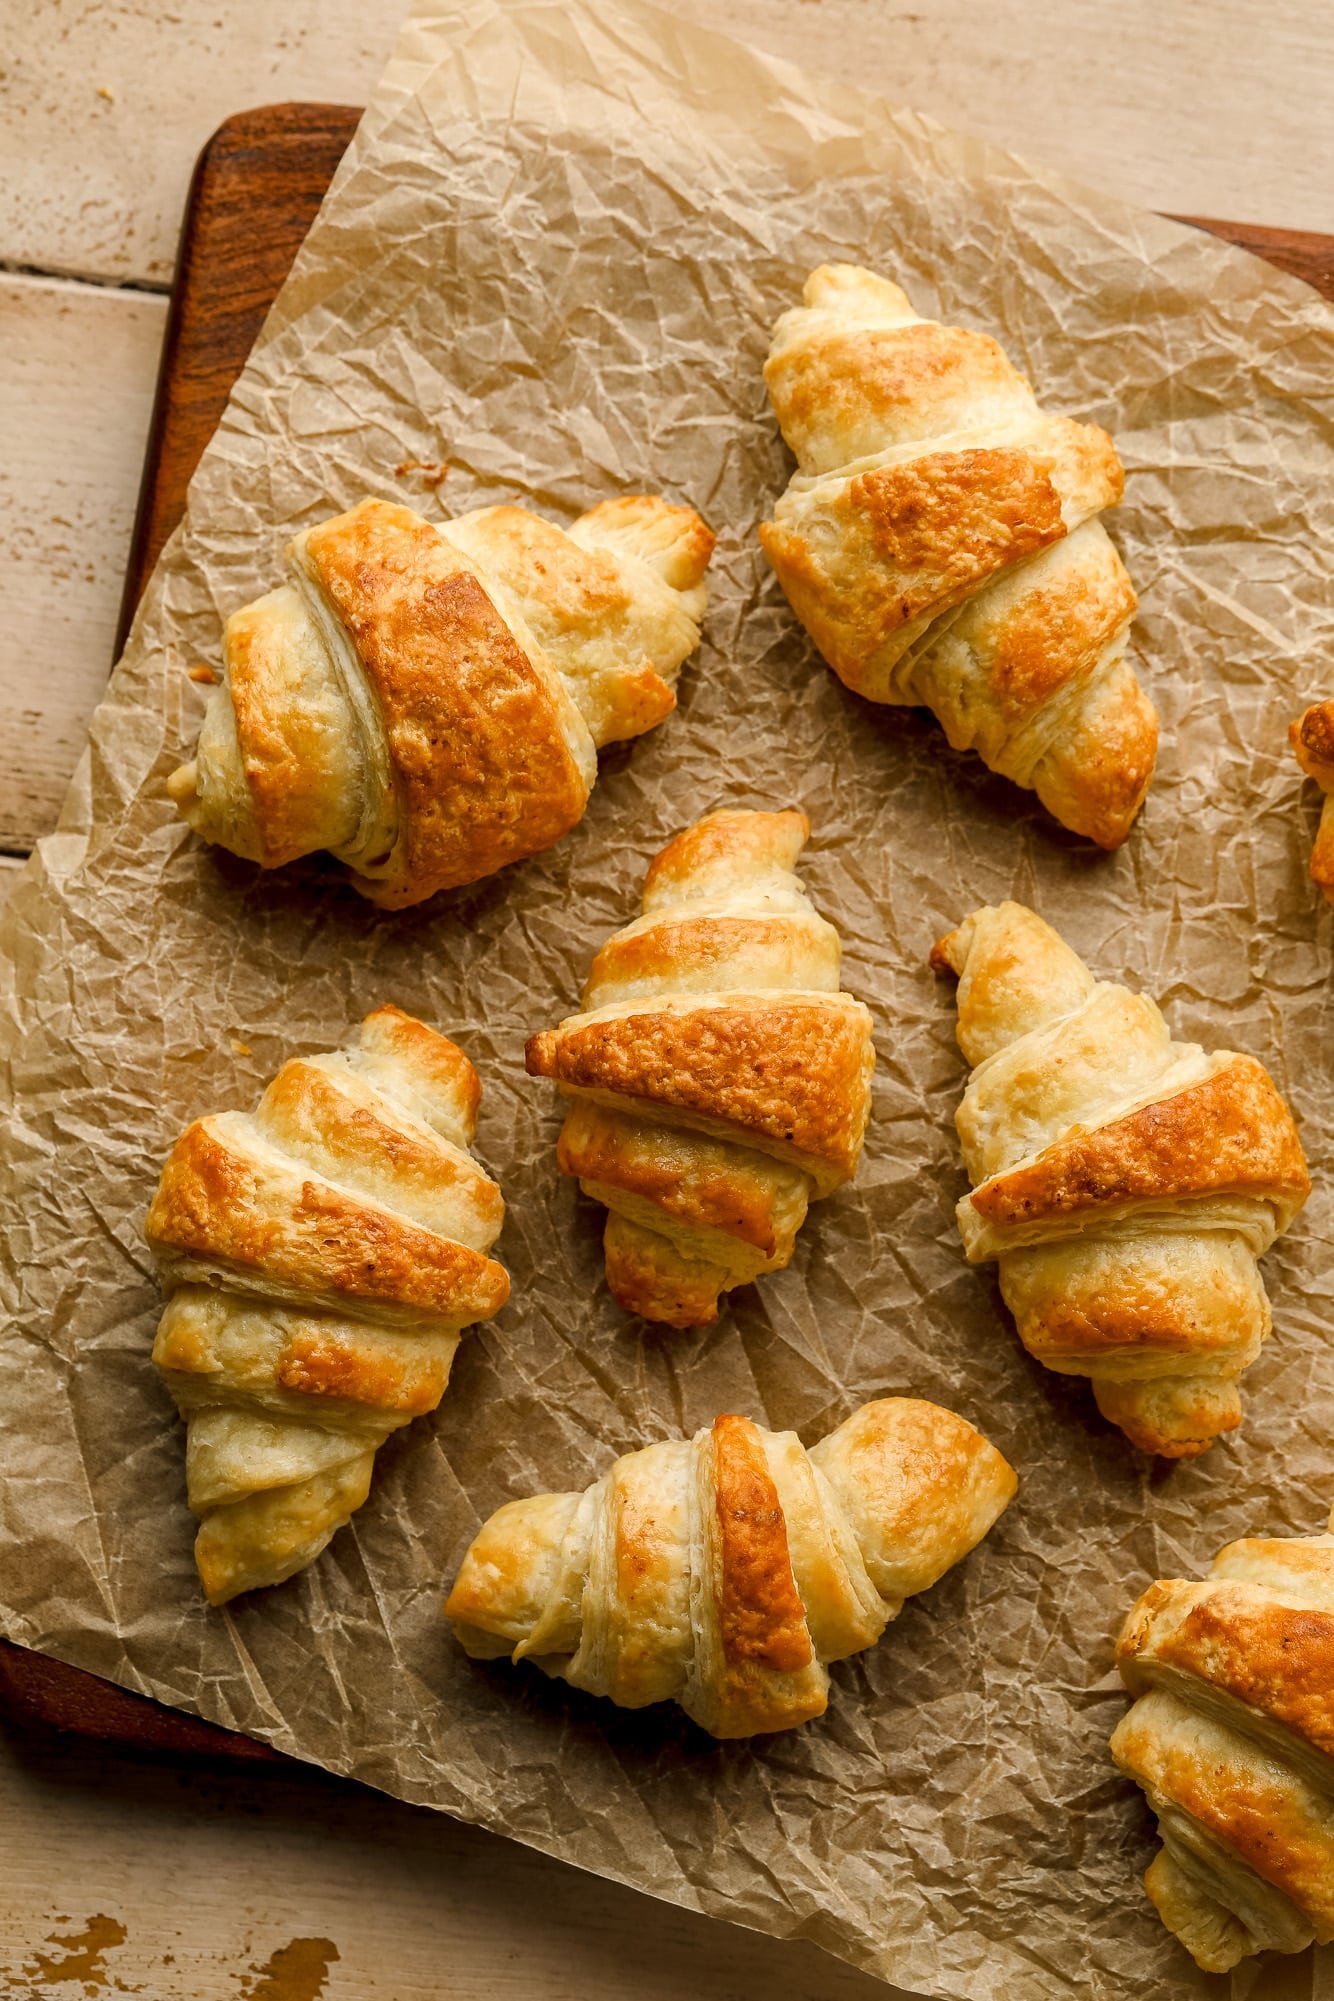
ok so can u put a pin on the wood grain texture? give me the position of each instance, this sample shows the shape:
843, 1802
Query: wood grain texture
253, 196
205, 1881
37, 1692
105, 104
1303, 253
1223, 109
76, 389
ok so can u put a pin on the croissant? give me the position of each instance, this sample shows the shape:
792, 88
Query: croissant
941, 543
1232, 1738
319, 1256
725, 1571
1312, 739
719, 1080
427, 702
1126, 1183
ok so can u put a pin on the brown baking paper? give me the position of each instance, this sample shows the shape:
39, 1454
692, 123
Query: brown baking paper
552, 260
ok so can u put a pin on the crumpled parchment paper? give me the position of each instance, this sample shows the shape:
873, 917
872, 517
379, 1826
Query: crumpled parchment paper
552, 259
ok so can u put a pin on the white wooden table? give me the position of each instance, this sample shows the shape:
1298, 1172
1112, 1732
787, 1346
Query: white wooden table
190, 1887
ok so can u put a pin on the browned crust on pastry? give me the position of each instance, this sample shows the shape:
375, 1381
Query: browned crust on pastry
1322, 852
350, 1135
647, 1275
956, 517
792, 1072
922, 1485
1025, 972
1275, 1658
730, 1199
1173, 1417
1119, 1302
303, 1234
1094, 779
643, 700
1312, 738
869, 372
483, 773
574, 586
320, 1357
950, 953
843, 632
731, 838
319, 1364
1051, 637
1229, 1135
933, 532
649, 1530
642, 1554
566, 590
694, 942
761, 1619
437, 1063
1258, 1816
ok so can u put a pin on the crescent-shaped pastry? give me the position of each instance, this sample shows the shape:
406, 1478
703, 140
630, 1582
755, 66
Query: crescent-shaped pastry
320, 1256
427, 702
1126, 1183
1312, 739
718, 1079
1232, 1738
941, 541
725, 1571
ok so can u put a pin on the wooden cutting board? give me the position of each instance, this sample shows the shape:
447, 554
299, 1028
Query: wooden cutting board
254, 195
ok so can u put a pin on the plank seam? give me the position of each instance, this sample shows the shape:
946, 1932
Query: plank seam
52, 274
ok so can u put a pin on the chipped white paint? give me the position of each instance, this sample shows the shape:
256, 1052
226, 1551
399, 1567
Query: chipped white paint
211, 1877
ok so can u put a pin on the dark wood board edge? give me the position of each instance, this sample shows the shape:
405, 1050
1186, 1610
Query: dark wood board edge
39, 1692
254, 194
1302, 253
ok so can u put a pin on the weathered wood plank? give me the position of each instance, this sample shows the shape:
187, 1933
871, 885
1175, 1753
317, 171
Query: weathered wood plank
197, 1886
1142, 99
77, 367
105, 104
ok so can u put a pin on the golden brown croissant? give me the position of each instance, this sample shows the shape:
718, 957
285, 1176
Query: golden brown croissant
1232, 1739
724, 1571
1126, 1183
320, 1256
427, 702
1312, 739
941, 543
719, 1080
